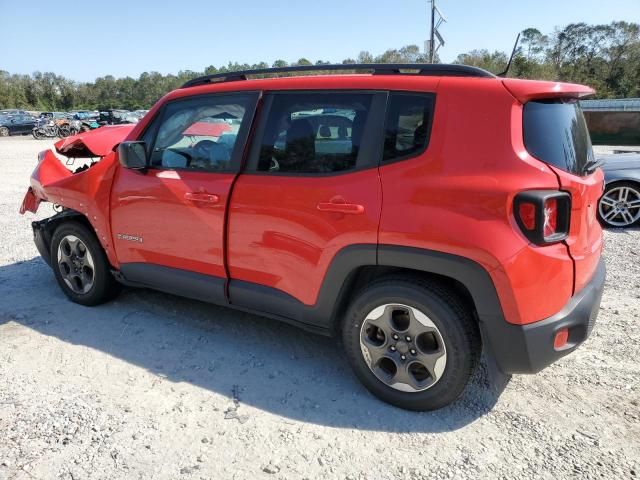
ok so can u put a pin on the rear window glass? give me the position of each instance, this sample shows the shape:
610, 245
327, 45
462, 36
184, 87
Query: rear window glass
556, 133
407, 125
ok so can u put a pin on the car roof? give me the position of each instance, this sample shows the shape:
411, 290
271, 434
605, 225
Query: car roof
523, 90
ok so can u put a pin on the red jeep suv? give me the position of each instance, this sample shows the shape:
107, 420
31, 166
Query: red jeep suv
421, 212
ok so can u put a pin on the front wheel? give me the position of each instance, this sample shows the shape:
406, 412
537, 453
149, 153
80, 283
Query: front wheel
411, 343
80, 265
4, 132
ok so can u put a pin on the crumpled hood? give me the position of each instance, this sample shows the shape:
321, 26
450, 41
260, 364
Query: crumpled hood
94, 143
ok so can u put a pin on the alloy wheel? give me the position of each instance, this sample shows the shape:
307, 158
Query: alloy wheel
620, 206
403, 347
76, 264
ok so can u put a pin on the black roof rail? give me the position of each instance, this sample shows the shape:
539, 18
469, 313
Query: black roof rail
431, 69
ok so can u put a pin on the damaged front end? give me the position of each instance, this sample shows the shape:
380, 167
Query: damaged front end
81, 192
49, 179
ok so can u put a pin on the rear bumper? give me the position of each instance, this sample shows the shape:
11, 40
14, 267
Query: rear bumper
529, 348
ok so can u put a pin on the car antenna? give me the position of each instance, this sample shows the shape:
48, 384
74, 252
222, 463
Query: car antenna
513, 52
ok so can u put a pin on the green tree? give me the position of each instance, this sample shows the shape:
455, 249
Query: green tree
606, 57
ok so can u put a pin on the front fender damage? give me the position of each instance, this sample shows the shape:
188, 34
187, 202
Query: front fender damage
85, 191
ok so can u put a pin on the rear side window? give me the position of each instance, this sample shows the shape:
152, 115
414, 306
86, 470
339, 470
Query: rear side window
314, 132
556, 133
408, 125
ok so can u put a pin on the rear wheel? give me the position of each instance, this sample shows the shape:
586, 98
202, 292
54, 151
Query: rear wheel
80, 265
412, 343
619, 206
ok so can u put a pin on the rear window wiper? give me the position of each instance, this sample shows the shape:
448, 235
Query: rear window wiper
592, 165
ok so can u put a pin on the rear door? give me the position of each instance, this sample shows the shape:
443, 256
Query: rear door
168, 222
555, 132
310, 189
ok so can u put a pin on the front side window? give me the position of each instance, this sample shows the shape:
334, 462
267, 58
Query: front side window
408, 125
314, 132
200, 133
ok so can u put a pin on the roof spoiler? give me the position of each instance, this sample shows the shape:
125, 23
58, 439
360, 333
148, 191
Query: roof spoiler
526, 90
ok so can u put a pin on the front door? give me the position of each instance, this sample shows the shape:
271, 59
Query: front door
310, 189
168, 222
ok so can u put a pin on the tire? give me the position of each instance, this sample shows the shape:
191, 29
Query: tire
89, 256
37, 134
456, 338
619, 206
64, 131
4, 132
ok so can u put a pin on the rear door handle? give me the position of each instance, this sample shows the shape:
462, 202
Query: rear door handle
351, 208
201, 197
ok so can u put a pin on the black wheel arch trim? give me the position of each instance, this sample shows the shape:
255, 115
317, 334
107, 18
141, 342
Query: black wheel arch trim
43, 230
515, 348
324, 315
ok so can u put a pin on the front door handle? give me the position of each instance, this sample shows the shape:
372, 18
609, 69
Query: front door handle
201, 197
351, 208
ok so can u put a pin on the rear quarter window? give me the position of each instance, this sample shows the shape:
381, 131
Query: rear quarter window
408, 125
555, 132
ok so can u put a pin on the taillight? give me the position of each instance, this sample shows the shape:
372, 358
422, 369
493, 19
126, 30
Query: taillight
550, 218
543, 215
527, 213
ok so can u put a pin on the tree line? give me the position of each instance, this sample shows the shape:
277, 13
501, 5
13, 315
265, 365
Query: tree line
606, 57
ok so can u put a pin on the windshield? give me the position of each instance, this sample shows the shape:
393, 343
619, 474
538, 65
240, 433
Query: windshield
556, 133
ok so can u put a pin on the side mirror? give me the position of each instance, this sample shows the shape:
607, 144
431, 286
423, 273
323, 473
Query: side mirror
133, 155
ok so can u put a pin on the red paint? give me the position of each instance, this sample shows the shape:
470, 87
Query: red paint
525, 90
279, 238
585, 233
283, 231
94, 143
178, 213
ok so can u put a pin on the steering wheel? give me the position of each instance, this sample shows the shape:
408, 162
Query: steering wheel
202, 148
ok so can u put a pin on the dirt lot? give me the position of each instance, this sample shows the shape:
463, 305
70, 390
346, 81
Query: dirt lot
153, 386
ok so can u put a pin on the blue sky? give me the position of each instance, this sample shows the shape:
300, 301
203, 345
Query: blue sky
86, 39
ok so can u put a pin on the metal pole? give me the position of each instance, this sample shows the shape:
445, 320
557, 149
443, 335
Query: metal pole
433, 26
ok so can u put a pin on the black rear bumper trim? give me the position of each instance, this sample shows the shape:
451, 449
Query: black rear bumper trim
529, 348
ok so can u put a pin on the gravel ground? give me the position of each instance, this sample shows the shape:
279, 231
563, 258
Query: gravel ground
154, 386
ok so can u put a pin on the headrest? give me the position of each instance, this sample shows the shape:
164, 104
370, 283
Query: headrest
325, 131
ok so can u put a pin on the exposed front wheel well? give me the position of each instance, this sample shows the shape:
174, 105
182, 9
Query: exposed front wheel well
44, 229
